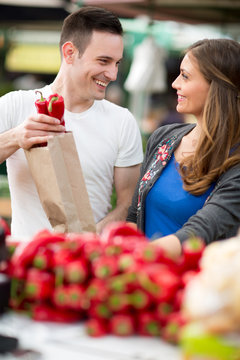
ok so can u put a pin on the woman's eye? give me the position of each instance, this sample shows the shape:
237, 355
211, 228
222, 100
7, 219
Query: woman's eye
184, 76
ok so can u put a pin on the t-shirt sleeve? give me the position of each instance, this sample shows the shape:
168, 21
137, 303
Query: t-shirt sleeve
15, 106
7, 106
130, 142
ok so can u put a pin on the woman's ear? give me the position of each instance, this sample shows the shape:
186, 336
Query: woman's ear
68, 50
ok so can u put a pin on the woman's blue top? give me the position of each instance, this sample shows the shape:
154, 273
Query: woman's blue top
168, 205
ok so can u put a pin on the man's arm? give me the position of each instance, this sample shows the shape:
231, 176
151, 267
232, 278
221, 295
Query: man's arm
125, 180
35, 130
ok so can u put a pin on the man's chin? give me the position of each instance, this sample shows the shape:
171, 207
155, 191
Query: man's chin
100, 96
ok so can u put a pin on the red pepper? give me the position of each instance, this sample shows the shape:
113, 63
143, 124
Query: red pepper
148, 252
60, 296
16, 271
43, 258
76, 242
192, 250
86, 245
122, 325
104, 266
25, 253
41, 104
125, 282
148, 324
120, 229
178, 299
92, 249
76, 298
140, 299
39, 284
62, 257
99, 310
163, 312
113, 249
159, 281
11, 246
76, 271
17, 295
97, 290
119, 302
55, 107
126, 262
172, 331
96, 327
45, 312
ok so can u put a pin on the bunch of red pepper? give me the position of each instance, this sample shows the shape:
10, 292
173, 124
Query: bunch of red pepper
53, 106
118, 282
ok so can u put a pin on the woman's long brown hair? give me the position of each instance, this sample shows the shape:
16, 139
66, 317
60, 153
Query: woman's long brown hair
219, 145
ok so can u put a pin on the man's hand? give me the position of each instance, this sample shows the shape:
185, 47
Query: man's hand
37, 129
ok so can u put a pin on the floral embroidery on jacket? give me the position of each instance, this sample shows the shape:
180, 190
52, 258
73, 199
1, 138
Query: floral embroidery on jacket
162, 154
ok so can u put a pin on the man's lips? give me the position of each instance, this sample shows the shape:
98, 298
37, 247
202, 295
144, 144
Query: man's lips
101, 83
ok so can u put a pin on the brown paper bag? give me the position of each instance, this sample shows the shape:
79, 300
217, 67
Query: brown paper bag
57, 173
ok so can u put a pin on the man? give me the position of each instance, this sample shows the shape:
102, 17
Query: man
107, 137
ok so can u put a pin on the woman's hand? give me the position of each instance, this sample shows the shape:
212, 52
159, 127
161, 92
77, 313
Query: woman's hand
170, 244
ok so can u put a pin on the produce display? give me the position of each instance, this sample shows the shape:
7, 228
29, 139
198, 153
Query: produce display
117, 283
211, 304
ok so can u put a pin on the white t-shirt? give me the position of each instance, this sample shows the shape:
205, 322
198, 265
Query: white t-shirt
106, 135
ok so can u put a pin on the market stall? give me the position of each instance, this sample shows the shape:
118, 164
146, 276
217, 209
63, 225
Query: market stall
70, 342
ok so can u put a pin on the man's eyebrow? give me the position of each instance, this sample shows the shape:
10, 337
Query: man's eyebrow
108, 57
104, 57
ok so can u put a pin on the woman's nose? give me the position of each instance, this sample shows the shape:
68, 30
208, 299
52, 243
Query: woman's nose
174, 83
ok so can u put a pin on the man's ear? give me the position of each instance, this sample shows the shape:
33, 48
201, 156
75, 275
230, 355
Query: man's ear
68, 50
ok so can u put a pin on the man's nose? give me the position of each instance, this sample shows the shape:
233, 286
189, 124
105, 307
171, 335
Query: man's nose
111, 73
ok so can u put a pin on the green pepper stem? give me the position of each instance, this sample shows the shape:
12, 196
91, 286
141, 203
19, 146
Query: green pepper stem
42, 98
54, 98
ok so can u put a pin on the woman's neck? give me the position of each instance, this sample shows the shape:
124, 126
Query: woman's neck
188, 144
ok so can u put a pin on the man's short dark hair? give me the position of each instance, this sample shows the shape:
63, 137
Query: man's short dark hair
79, 26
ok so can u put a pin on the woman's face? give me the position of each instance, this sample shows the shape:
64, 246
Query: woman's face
192, 88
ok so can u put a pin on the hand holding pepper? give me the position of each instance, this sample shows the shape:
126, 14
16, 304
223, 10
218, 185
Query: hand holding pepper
53, 106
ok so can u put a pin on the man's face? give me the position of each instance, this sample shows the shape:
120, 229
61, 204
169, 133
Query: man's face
92, 71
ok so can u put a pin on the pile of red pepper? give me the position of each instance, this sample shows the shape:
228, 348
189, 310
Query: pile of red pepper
118, 283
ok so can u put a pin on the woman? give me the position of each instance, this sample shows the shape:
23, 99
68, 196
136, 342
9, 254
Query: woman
190, 177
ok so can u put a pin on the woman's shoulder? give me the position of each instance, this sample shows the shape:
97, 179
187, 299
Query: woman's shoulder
177, 130
231, 173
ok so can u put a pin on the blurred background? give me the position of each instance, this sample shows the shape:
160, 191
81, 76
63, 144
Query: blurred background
155, 34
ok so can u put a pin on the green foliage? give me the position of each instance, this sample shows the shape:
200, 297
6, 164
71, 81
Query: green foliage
4, 188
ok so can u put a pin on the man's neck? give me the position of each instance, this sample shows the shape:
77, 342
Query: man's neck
72, 103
